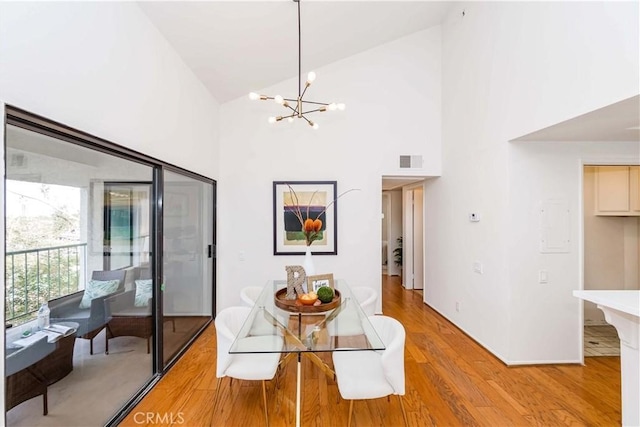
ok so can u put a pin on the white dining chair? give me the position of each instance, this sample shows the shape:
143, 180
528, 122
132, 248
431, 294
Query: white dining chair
249, 295
244, 366
367, 298
374, 374
347, 322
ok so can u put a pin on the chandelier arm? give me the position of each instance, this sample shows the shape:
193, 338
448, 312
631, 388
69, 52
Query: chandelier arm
304, 91
316, 103
313, 111
303, 117
291, 108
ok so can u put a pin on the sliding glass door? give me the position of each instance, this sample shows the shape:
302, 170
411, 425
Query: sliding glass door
121, 247
187, 260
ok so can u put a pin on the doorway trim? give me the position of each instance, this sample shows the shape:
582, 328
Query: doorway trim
408, 237
599, 160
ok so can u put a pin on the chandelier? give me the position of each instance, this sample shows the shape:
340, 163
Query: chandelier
295, 106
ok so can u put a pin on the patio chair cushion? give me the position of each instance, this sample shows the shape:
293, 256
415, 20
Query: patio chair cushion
96, 289
143, 292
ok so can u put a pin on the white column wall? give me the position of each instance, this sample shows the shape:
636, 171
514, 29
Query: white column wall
547, 323
510, 69
392, 93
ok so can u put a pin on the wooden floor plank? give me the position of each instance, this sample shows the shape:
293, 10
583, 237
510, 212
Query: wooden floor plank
450, 381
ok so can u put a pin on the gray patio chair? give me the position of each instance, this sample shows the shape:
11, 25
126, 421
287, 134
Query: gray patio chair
90, 320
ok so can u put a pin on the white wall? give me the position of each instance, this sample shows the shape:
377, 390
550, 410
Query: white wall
102, 68
510, 69
548, 313
392, 93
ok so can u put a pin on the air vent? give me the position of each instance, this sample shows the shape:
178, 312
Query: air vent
18, 161
410, 162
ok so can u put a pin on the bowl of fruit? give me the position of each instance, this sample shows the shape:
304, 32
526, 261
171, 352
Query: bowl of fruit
309, 298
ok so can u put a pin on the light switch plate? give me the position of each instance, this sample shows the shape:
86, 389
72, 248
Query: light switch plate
477, 267
543, 276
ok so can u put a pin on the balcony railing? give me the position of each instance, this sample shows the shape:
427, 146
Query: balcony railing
34, 276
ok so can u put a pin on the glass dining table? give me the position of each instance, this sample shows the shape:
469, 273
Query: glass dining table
306, 331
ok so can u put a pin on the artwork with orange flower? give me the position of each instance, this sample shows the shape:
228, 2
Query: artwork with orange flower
305, 215
302, 217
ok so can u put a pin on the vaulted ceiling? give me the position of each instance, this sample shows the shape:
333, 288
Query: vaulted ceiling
235, 47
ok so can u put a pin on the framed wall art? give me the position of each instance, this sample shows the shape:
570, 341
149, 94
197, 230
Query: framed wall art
295, 202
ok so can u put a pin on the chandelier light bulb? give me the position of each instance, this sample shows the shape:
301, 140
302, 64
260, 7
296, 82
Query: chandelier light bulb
253, 96
311, 77
278, 99
272, 119
332, 107
290, 119
315, 126
341, 107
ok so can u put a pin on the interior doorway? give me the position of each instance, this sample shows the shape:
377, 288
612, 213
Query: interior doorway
611, 245
402, 228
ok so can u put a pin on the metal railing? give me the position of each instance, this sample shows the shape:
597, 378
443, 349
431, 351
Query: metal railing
34, 276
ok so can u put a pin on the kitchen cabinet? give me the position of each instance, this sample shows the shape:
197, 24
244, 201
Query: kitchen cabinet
617, 190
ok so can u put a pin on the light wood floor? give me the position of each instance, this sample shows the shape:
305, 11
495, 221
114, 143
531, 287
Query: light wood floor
450, 381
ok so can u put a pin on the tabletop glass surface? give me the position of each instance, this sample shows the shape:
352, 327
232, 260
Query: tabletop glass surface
343, 328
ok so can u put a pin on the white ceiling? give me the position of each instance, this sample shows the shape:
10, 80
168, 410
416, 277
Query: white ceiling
236, 47
616, 122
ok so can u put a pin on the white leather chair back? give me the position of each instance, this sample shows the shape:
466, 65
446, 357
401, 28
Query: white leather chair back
228, 323
250, 294
367, 298
392, 334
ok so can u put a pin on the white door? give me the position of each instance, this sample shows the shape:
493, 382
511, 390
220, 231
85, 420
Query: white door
418, 239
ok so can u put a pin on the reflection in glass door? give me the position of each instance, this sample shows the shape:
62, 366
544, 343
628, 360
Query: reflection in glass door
55, 234
187, 260
126, 224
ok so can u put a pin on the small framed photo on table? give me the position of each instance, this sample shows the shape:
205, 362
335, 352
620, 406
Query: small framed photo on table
316, 282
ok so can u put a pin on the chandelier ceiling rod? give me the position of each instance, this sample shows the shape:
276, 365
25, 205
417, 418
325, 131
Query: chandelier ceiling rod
299, 52
299, 101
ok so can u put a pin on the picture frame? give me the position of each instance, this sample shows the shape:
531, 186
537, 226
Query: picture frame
318, 198
319, 280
